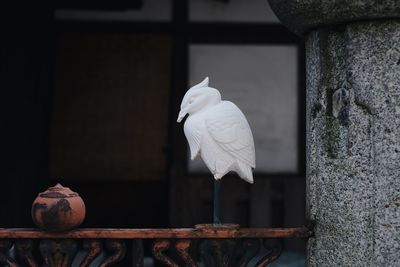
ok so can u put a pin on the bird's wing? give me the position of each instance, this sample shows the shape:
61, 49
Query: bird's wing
230, 130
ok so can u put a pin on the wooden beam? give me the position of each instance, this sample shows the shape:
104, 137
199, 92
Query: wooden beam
17, 233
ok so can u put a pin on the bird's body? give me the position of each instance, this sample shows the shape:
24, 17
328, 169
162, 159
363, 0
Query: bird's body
219, 132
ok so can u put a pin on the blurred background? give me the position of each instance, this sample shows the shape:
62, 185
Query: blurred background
90, 96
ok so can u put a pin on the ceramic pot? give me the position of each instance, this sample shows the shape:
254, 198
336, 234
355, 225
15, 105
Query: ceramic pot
58, 209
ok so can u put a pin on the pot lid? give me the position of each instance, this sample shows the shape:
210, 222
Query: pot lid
58, 191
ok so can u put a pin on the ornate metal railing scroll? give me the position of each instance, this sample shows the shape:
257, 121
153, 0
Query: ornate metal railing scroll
170, 247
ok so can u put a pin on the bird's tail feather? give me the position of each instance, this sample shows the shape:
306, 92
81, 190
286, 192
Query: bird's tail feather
245, 172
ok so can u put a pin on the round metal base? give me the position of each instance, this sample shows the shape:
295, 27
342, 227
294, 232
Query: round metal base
222, 226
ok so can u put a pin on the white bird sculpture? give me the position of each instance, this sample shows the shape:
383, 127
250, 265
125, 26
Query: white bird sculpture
219, 131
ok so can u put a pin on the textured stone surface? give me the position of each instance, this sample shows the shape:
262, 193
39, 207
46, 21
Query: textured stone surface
353, 128
354, 157
303, 15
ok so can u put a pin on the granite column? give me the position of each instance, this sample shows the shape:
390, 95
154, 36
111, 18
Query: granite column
353, 127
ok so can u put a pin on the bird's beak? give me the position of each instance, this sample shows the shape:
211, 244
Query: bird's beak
181, 115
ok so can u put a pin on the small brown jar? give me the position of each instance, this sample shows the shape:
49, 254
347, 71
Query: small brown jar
58, 209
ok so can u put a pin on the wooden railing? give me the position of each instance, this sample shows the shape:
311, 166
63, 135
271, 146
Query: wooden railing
202, 246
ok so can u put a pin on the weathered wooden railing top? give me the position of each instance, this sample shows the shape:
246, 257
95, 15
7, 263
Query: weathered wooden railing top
104, 233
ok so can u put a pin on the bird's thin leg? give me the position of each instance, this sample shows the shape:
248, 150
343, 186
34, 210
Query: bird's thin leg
216, 214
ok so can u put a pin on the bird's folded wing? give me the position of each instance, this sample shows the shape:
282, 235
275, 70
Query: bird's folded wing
230, 130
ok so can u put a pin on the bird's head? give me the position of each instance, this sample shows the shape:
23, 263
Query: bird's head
197, 98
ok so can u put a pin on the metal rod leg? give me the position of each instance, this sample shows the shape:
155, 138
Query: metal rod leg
216, 215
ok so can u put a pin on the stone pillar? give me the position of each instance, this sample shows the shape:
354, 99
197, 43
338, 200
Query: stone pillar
353, 127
